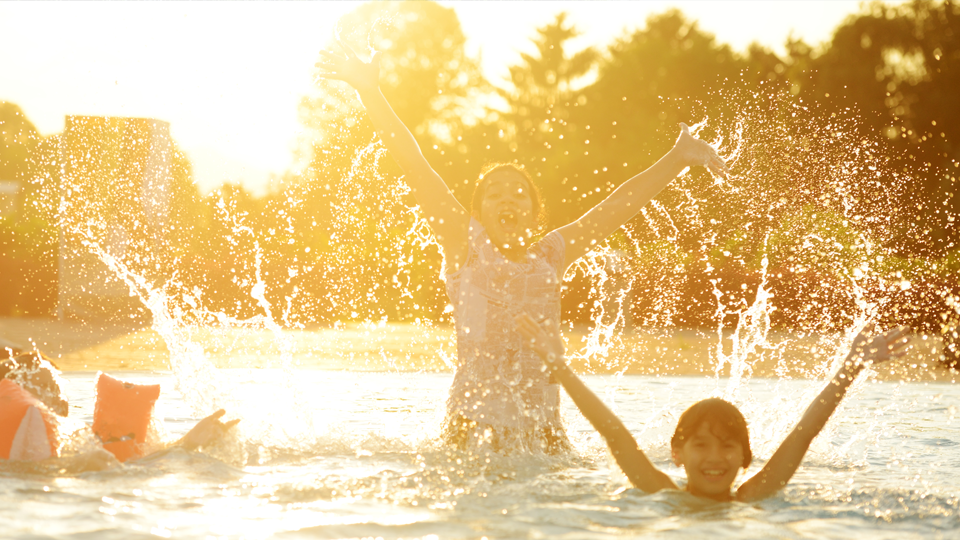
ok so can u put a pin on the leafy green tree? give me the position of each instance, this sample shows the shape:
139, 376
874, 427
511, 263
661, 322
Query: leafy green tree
28, 244
348, 194
535, 127
648, 82
542, 90
897, 66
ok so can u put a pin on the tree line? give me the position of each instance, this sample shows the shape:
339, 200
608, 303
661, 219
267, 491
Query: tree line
845, 157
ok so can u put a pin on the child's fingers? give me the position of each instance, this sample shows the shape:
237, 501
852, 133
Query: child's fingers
717, 170
522, 321
527, 321
231, 423
896, 337
901, 347
326, 66
526, 326
533, 333
721, 164
332, 56
900, 352
525, 331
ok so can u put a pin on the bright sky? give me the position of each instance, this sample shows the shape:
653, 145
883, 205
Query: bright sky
229, 76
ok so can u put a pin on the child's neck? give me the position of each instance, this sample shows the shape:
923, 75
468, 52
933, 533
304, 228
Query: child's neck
719, 497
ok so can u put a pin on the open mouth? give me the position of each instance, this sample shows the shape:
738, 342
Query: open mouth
508, 220
714, 473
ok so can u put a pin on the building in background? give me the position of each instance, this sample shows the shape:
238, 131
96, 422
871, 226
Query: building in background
116, 183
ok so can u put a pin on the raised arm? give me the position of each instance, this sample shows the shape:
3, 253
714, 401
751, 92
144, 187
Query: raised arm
602, 220
447, 217
632, 461
785, 461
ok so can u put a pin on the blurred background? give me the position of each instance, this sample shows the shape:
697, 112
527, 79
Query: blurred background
844, 148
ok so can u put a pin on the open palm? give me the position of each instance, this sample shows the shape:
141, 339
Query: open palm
881, 348
349, 68
207, 431
696, 152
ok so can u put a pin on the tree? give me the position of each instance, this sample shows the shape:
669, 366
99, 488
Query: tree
896, 65
648, 82
352, 197
541, 90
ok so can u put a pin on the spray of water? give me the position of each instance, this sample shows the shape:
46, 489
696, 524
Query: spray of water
794, 250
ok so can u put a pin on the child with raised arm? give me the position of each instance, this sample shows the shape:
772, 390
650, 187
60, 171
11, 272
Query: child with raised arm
711, 441
32, 405
494, 271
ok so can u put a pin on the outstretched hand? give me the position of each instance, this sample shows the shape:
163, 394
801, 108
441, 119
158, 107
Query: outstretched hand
207, 431
349, 68
545, 340
695, 152
868, 348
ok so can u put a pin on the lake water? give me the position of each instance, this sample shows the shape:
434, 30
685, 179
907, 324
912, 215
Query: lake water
357, 456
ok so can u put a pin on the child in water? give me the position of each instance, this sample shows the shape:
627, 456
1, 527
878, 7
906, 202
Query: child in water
711, 441
39, 376
494, 271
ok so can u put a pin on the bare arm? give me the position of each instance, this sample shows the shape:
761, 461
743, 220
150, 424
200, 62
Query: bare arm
626, 201
207, 430
447, 217
785, 461
632, 461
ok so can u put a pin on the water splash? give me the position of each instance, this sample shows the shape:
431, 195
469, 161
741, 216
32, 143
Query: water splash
792, 251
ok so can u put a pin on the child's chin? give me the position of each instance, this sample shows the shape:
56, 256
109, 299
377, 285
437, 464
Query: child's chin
714, 489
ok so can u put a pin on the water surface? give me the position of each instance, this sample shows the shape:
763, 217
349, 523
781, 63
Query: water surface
359, 458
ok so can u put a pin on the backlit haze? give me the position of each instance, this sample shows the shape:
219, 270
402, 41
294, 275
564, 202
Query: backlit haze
229, 76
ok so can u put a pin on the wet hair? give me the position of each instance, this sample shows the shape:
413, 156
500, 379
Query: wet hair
488, 171
722, 415
38, 375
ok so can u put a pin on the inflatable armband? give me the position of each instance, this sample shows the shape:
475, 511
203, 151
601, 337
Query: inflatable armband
122, 415
28, 430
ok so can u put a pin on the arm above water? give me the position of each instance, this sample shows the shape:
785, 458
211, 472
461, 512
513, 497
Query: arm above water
632, 461
785, 461
626, 201
207, 431
447, 217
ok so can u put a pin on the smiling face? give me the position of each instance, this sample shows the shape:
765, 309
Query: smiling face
508, 211
712, 458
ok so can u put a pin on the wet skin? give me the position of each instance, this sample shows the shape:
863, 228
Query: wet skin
712, 461
508, 214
